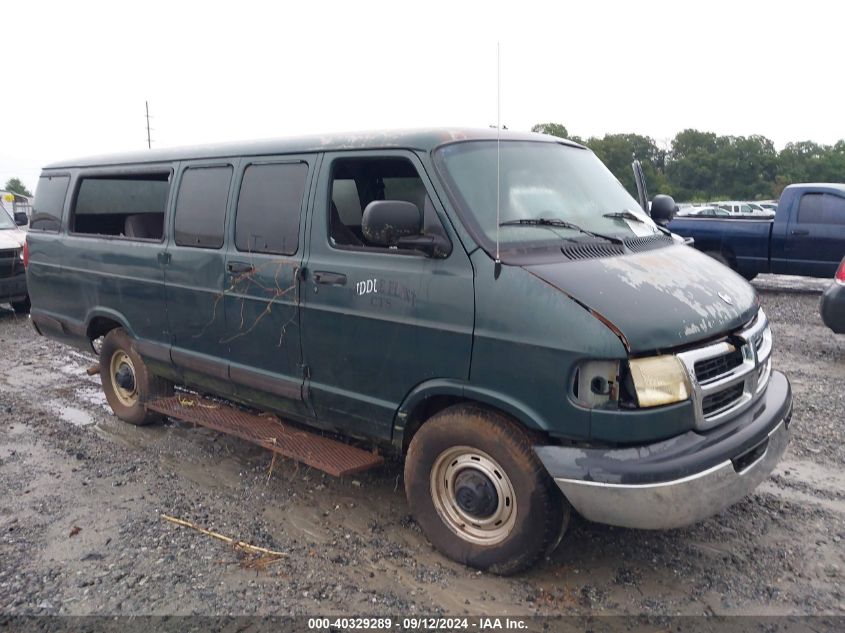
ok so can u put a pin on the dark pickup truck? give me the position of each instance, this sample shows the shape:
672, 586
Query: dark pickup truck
806, 236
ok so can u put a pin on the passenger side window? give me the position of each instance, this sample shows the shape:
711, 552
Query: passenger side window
833, 209
201, 206
358, 181
269, 207
49, 202
128, 205
821, 208
810, 209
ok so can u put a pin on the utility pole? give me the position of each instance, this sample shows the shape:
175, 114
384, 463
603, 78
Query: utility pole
149, 142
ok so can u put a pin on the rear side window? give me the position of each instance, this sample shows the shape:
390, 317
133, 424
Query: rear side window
49, 202
201, 206
269, 206
821, 208
125, 205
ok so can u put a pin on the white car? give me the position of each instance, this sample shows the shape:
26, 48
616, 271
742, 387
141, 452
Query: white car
737, 207
12, 265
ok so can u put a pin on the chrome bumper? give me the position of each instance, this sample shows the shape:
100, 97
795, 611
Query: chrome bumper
673, 504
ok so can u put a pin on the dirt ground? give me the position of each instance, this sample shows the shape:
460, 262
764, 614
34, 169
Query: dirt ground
81, 533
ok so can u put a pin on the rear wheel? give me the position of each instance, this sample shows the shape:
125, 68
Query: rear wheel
127, 382
479, 492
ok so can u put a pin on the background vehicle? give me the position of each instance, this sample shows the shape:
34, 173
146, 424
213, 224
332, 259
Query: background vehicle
12, 263
832, 305
806, 236
704, 212
743, 208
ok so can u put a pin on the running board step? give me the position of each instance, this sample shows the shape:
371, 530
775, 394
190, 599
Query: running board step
323, 453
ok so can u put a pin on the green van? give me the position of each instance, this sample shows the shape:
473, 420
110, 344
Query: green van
498, 311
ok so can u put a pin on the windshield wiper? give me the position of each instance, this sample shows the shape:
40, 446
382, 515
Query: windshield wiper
624, 214
560, 224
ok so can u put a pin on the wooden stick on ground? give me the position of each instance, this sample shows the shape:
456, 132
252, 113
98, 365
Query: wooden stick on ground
221, 537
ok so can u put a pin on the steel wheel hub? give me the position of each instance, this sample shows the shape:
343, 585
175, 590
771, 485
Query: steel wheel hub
122, 374
473, 495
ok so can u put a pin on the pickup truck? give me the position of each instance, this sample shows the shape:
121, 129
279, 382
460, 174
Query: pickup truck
806, 236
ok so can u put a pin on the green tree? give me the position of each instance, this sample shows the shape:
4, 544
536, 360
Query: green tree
16, 186
555, 129
618, 151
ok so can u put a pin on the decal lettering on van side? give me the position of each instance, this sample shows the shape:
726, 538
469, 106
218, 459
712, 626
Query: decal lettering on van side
388, 288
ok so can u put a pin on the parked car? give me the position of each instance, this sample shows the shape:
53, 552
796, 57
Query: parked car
769, 205
13, 262
704, 212
806, 236
833, 302
743, 208
560, 350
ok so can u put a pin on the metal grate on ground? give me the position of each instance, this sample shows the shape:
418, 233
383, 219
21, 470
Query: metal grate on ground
323, 453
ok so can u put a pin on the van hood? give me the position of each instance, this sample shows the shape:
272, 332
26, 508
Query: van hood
658, 299
12, 238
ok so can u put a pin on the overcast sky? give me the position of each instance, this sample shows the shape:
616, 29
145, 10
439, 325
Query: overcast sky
77, 73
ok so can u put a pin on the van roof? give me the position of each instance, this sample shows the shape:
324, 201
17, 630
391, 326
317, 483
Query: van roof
421, 139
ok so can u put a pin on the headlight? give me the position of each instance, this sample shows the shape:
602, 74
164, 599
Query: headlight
659, 380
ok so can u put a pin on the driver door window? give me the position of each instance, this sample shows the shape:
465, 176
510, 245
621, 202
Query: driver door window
357, 182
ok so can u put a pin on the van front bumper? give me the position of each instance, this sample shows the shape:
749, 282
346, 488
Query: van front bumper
681, 480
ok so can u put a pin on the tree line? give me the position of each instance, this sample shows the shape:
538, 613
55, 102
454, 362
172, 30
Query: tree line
702, 166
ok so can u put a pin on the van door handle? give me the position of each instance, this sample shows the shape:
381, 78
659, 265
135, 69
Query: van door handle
329, 279
164, 258
800, 232
240, 267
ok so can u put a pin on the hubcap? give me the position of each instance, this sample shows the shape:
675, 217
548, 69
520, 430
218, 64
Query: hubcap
122, 373
473, 495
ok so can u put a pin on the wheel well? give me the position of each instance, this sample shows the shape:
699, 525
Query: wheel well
100, 326
434, 404
728, 253
422, 412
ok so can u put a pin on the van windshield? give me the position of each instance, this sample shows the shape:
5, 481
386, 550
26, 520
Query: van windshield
538, 181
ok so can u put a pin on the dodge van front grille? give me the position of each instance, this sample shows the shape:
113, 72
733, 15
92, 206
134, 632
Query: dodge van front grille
729, 376
721, 399
714, 367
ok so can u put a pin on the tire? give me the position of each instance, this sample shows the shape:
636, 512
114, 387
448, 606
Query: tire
459, 445
119, 356
21, 307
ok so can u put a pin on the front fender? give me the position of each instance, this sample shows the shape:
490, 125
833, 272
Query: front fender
518, 410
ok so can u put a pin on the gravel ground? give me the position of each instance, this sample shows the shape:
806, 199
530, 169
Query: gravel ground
81, 533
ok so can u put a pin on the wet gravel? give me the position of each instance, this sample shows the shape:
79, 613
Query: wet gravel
81, 529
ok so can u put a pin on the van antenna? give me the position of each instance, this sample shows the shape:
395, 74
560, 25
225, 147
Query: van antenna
498, 263
147, 108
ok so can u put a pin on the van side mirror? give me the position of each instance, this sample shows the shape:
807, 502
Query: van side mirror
385, 222
663, 209
20, 218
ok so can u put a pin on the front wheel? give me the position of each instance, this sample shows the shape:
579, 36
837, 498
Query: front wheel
479, 492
